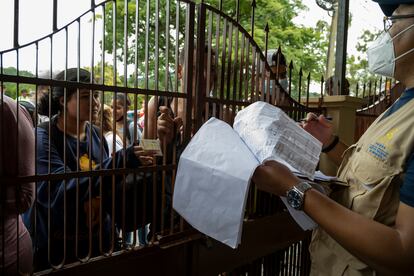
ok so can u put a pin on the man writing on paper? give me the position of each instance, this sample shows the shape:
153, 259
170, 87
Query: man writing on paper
368, 227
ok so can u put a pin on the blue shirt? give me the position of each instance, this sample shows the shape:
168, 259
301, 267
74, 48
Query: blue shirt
407, 189
51, 196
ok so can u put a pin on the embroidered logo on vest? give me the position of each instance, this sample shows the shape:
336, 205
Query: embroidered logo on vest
381, 148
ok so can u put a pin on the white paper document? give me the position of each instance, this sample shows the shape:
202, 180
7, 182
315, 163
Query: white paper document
272, 135
212, 181
215, 169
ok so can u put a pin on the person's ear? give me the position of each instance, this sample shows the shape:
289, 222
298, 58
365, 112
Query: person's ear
62, 101
180, 72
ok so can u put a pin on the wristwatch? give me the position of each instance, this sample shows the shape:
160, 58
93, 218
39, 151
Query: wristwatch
296, 195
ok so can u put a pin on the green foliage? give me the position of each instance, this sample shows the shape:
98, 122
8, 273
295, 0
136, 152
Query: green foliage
357, 66
144, 38
11, 88
306, 46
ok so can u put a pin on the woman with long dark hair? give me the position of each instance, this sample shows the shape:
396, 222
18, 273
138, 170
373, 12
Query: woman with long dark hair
70, 143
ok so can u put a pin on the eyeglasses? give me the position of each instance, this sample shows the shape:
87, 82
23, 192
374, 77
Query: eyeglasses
389, 20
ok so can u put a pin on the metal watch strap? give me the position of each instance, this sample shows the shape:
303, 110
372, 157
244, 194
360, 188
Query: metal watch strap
303, 187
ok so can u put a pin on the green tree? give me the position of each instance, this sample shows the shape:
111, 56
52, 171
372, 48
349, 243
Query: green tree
11, 88
306, 46
357, 65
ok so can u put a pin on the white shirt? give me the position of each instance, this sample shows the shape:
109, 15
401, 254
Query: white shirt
109, 136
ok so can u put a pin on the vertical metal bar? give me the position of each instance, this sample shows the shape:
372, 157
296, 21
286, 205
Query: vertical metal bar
209, 65
218, 68
223, 66
64, 143
267, 40
252, 18
114, 83
55, 15
190, 19
167, 43
35, 241
375, 92
341, 43
381, 90
322, 83
49, 171
16, 25
101, 148
200, 82
369, 92
258, 76
136, 118
238, 11
241, 64
363, 90
307, 90
147, 26
124, 118
17, 157
262, 66
229, 65
290, 77
2, 162
254, 75
356, 90
300, 85
247, 69
177, 39
235, 63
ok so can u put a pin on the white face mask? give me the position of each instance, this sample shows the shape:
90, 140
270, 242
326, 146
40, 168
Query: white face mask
284, 83
381, 57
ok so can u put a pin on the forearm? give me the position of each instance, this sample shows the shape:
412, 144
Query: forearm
376, 244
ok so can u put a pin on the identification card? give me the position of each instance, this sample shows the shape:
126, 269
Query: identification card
151, 145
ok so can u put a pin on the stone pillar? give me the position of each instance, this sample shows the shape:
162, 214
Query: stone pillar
342, 109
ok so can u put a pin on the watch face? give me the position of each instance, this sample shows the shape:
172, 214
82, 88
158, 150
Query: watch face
294, 199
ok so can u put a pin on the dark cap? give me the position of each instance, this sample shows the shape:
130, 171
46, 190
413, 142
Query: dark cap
389, 6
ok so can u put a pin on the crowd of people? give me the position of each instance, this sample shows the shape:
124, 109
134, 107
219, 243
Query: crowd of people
365, 228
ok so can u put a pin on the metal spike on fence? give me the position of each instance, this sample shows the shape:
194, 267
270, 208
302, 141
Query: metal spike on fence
363, 90
238, 11
322, 82
252, 20
300, 84
221, 5
356, 90
290, 77
266, 38
54, 15
375, 92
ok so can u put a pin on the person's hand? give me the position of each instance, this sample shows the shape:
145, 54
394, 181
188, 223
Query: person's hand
275, 178
318, 127
145, 157
167, 126
94, 212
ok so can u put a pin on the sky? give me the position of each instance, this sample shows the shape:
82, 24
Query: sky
36, 22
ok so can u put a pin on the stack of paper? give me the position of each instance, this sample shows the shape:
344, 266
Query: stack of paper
215, 169
212, 182
272, 135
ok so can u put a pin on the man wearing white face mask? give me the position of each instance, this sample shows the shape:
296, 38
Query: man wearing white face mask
366, 228
277, 62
